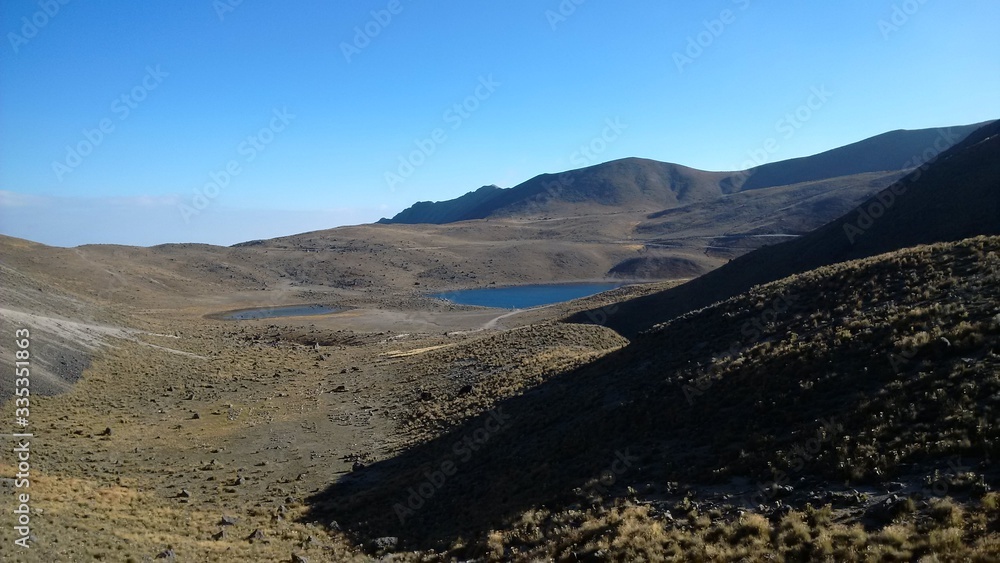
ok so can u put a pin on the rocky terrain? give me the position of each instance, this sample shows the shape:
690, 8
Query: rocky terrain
817, 399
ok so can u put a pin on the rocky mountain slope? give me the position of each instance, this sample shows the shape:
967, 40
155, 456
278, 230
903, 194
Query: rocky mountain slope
853, 386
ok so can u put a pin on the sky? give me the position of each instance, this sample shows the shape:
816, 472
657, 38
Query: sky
223, 121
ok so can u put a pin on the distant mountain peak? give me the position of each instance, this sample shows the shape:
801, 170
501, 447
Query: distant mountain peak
642, 184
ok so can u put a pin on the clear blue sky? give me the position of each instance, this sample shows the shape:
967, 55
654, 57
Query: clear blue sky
200, 77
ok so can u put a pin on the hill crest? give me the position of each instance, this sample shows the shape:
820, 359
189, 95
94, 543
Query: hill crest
639, 184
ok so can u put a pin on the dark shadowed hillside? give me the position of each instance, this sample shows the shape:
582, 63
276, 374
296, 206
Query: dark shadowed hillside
895, 150
956, 196
864, 373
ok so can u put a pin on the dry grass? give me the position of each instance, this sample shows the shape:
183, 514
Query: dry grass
748, 390
265, 394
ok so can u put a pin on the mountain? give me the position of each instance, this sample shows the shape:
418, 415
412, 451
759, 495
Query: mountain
471, 205
636, 184
954, 197
844, 413
895, 150
631, 184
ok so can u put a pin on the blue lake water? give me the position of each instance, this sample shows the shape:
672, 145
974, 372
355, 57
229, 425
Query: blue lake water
276, 312
524, 296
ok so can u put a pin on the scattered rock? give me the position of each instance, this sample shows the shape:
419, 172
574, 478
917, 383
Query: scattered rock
386, 542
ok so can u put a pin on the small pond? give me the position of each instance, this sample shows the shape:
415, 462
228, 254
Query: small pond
276, 312
525, 296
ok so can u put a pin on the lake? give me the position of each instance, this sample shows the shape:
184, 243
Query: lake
276, 312
525, 296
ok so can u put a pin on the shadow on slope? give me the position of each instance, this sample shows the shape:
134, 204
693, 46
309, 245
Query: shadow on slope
895, 150
729, 391
954, 197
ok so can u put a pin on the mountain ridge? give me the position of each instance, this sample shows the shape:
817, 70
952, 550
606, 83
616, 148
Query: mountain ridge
641, 184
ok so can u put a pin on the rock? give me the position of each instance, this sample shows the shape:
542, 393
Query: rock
257, 535
299, 559
195, 416
465, 390
220, 535
240, 480
184, 494
340, 389
334, 526
166, 554
227, 521
426, 396
885, 511
386, 542
107, 432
